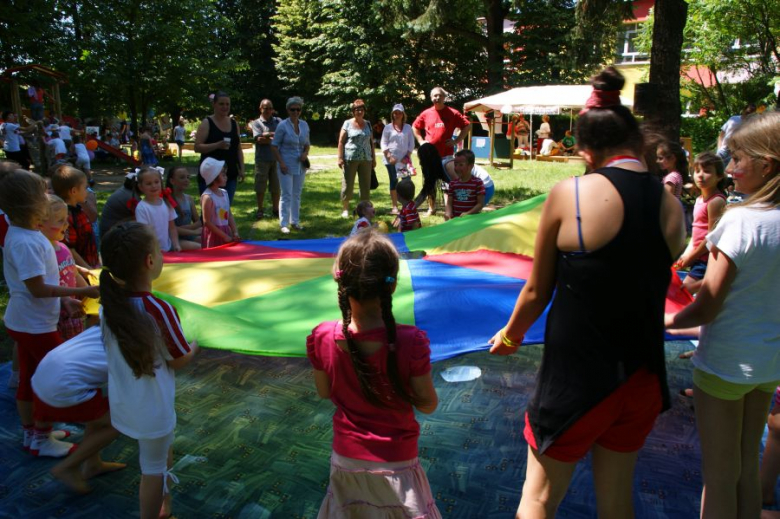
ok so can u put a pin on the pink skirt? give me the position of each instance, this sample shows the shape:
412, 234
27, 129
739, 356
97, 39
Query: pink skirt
361, 489
210, 239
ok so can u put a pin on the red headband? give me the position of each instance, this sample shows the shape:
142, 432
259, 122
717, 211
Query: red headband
602, 99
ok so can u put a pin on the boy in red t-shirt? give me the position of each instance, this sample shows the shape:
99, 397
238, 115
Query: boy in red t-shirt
467, 193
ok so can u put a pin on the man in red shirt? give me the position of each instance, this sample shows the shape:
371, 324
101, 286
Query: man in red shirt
439, 123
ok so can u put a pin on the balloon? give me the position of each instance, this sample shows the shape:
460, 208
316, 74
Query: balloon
91, 154
92, 145
382, 226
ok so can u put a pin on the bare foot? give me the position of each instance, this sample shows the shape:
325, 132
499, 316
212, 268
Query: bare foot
165, 510
71, 479
93, 470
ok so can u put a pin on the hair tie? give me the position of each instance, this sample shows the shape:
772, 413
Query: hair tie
602, 99
389, 279
167, 194
338, 274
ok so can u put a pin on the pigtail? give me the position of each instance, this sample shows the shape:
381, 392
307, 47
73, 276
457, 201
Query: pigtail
123, 249
386, 301
362, 369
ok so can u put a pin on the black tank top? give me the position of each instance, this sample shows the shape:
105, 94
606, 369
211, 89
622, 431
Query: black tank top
606, 320
230, 155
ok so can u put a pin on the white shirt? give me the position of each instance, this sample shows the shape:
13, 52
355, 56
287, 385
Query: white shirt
157, 216
742, 344
58, 146
71, 373
81, 152
65, 132
400, 144
11, 137
28, 254
143, 408
360, 224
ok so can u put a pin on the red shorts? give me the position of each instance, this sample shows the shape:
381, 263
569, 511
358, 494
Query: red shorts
88, 411
33, 347
620, 422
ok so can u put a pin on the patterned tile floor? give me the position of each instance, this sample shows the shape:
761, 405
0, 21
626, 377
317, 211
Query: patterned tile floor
253, 441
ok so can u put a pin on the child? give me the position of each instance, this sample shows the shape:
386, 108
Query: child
155, 210
32, 276
187, 223
144, 345
218, 225
408, 219
82, 157
56, 147
467, 192
709, 177
69, 387
70, 184
365, 210
54, 229
672, 160
376, 373
476, 171
736, 362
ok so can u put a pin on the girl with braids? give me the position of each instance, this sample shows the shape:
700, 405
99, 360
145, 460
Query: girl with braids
376, 373
144, 346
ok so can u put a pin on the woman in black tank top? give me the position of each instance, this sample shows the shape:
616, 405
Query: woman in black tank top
217, 137
602, 380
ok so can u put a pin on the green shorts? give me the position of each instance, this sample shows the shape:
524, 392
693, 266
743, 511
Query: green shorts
715, 386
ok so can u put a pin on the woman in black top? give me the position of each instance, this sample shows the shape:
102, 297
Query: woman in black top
602, 381
217, 137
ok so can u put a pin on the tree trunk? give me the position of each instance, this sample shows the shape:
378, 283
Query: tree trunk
494, 20
670, 18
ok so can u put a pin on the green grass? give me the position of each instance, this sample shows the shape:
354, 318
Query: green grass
321, 206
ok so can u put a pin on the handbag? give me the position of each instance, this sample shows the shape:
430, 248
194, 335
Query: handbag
306, 163
374, 180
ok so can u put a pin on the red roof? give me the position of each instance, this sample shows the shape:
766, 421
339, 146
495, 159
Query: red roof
641, 10
700, 74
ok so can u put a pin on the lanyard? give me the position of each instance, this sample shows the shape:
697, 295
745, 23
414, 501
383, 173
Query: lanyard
622, 159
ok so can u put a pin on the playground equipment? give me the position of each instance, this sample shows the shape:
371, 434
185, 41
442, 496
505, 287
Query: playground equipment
115, 152
13, 75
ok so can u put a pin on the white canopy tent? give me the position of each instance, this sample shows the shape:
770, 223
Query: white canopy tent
535, 100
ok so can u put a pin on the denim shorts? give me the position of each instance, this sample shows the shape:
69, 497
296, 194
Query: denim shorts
698, 268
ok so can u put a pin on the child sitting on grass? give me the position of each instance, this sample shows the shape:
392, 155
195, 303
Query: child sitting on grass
365, 211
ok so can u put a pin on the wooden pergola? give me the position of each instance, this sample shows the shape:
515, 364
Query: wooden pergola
14, 75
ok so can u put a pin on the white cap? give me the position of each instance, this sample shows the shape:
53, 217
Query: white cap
210, 169
398, 108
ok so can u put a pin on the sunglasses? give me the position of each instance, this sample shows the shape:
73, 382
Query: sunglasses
359, 109
293, 109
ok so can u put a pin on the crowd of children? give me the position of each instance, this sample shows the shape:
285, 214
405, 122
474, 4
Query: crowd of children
383, 368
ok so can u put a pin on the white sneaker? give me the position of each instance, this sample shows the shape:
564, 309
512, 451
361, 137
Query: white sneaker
345, 214
52, 448
285, 230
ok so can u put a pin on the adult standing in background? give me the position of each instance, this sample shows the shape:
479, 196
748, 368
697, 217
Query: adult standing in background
36, 94
439, 123
10, 132
356, 156
217, 137
290, 148
397, 145
263, 129
544, 132
178, 135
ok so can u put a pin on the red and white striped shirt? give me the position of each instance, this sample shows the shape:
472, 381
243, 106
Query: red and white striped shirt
464, 194
408, 217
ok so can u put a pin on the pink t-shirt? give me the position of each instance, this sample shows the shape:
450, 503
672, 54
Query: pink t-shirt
68, 326
701, 222
676, 180
439, 126
361, 430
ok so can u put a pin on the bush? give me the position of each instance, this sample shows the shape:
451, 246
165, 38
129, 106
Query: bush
703, 131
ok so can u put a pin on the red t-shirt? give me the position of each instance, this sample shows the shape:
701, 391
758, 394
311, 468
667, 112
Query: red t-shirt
464, 194
361, 430
408, 217
439, 125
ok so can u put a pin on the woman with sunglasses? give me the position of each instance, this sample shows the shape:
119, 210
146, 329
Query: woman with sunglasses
290, 148
356, 156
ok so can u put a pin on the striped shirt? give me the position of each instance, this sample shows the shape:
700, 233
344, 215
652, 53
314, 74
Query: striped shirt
142, 408
464, 194
408, 217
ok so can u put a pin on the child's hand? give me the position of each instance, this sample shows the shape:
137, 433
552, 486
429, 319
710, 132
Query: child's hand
498, 347
176, 248
194, 348
236, 237
684, 261
396, 223
73, 307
